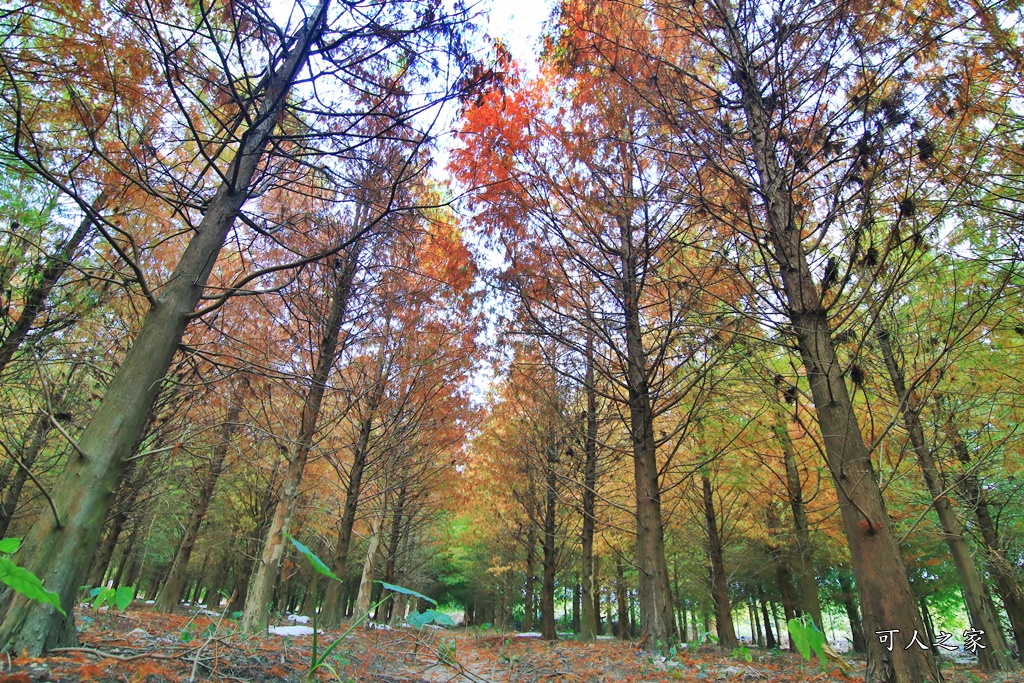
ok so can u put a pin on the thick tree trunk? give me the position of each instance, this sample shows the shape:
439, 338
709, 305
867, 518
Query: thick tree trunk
547, 590
332, 612
755, 623
996, 655
887, 600
61, 551
261, 586
531, 579
719, 582
588, 622
38, 430
370, 565
770, 641
170, 592
999, 565
577, 600
622, 596
656, 620
804, 564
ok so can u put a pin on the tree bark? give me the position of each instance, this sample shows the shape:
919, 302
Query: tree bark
849, 604
170, 592
547, 590
370, 565
719, 582
806, 579
656, 620
887, 600
531, 579
621, 595
588, 621
61, 552
999, 565
996, 655
254, 617
770, 641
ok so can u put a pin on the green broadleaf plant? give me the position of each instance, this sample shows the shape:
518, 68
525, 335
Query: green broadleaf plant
806, 636
22, 580
319, 659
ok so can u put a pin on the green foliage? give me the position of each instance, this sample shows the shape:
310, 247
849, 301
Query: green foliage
319, 660
430, 616
742, 652
446, 652
317, 563
120, 598
22, 580
398, 589
806, 637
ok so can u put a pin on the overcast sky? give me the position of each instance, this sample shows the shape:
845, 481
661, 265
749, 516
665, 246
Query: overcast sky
519, 23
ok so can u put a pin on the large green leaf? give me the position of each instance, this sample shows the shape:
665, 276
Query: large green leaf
317, 563
806, 636
421, 619
398, 589
124, 596
10, 545
799, 638
27, 583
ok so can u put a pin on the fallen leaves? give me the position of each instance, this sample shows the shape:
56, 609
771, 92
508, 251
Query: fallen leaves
146, 647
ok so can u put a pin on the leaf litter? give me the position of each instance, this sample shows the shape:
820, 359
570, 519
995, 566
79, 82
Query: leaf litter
140, 646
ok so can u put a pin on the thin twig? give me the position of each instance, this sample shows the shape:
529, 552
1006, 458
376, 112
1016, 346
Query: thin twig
63, 432
120, 658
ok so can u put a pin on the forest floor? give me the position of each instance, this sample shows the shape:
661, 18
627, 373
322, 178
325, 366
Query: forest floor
139, 646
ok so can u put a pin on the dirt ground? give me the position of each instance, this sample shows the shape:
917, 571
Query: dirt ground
139, 646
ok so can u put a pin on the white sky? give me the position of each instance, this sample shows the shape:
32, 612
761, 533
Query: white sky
518, 22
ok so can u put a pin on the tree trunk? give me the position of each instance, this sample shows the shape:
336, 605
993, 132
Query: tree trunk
332, 612
370, 565
770, 641
755, 622
394, 538
719, 582
547, 591
577, 605
621, 595
588, 622
531, 579
806, 579
783, 575
61, 550
999, 565
929, 625
887, 600
656, 620
261, 586
996, 655
170, 592
848, 599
